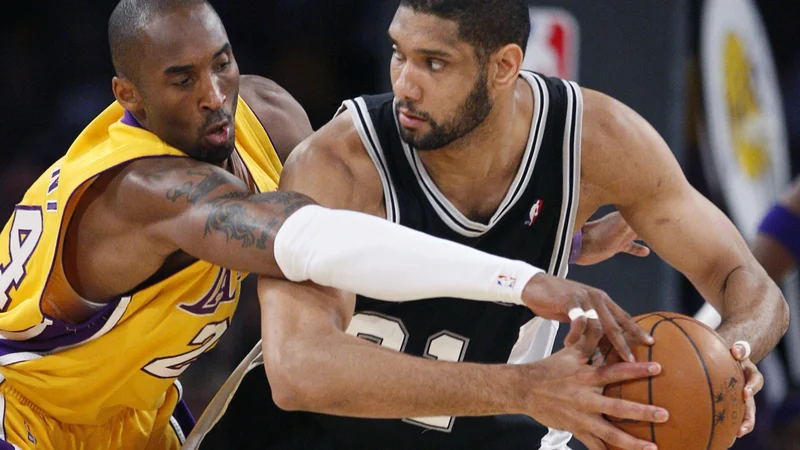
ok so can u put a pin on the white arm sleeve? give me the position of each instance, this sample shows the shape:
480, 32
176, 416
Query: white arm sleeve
360, 253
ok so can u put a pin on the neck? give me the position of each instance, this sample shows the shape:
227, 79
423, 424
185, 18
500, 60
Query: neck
488, 158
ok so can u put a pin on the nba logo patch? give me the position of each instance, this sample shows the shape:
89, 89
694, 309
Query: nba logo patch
534, 213
552, 48
506, 281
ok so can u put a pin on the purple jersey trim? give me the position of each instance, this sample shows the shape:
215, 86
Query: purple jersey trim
6, 446
184, 417
577, 243
61, 334
784, 226
128, 119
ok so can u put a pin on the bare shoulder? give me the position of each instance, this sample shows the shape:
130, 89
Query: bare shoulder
281, 115
607, 120
624, 158
333, 167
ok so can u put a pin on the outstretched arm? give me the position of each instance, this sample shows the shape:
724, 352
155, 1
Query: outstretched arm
182, 204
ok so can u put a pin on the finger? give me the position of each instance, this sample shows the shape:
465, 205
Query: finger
619, 372
628, 410
612, 435
755, 380
626, 322
590, 338
591, 442
613, 331
749, 421
637, 250
576, 329
740, 350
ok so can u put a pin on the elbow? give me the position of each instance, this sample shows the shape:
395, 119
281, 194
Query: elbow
284, 373
284, 394
291, 378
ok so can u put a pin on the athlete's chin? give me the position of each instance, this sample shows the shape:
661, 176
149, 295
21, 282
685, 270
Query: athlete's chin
413, 136
216, 154
421, 141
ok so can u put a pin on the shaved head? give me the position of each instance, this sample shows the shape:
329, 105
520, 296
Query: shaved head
176, 73
126, 23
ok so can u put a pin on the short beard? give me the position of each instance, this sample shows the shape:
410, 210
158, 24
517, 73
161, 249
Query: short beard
469, 115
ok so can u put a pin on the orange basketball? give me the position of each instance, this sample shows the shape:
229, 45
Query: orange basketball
700, 384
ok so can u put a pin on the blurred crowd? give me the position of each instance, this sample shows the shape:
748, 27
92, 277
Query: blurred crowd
56, 76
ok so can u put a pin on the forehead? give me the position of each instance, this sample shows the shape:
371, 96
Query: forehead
416, 28
183, 36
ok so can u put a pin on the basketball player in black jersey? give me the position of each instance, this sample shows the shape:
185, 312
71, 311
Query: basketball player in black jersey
471, 149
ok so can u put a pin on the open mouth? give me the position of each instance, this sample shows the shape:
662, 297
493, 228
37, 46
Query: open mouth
218, 134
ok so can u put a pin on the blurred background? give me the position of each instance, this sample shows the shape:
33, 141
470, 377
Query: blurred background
685, 65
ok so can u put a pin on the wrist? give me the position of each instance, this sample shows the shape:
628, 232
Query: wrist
527, 384
517, 275
520, 383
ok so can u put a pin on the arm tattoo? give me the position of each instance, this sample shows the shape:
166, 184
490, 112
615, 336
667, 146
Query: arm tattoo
196, 192
230, 214
233, 213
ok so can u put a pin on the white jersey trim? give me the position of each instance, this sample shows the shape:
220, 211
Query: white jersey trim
573, 129
359, 113
445, 209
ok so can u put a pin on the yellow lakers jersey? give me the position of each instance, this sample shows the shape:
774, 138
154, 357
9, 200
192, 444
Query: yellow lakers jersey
131, 350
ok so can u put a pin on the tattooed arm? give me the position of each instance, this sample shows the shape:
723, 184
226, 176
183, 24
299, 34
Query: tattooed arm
155, 216
211, 215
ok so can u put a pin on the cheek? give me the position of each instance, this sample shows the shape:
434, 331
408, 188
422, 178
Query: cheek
176, 123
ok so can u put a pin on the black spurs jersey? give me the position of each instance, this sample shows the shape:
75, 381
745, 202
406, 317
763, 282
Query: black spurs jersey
533, 223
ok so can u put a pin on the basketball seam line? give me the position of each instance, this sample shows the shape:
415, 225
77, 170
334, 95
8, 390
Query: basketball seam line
708, 379
650, 379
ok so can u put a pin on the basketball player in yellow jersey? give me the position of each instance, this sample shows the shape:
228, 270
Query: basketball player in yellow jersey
122, 264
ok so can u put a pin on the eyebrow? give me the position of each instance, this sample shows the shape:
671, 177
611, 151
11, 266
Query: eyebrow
180, 69
425, 51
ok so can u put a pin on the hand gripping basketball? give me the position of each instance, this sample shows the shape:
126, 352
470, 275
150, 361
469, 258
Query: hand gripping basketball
567, 394
586, 307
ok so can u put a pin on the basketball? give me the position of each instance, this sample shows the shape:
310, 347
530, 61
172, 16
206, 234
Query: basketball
701, 385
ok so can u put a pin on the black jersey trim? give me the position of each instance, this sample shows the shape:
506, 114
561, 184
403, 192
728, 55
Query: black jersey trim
573, 128
449, 214
359, 113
